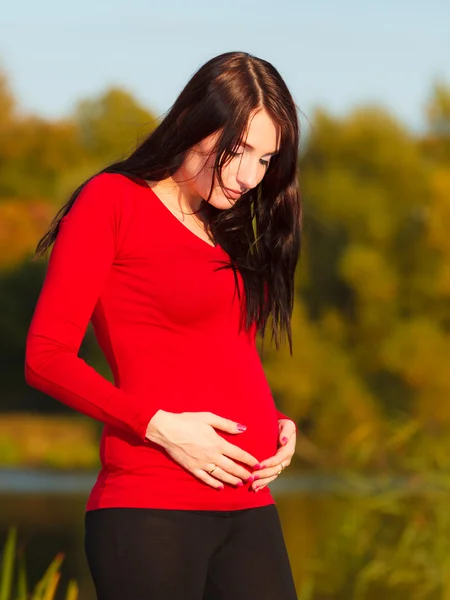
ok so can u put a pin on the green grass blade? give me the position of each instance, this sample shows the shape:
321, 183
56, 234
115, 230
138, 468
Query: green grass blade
72, 590
52, 584
22, 588
48, 578
7, 570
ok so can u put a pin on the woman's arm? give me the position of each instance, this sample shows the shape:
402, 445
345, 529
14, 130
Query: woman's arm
79, 264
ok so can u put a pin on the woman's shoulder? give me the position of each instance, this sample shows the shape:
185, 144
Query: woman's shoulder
111, 192
115, 182
110, 196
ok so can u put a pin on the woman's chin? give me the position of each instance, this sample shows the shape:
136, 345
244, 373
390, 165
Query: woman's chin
222, 202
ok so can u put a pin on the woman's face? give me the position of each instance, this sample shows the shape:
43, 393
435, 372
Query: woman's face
243, 172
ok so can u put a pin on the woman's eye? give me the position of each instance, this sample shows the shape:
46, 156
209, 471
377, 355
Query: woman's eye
264, 162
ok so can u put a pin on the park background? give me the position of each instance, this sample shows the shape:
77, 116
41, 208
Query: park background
366, 503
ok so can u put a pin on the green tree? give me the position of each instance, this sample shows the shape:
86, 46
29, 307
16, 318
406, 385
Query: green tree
371, 336
111, 124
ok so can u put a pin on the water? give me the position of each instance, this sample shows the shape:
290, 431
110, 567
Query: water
48, 510
352, 538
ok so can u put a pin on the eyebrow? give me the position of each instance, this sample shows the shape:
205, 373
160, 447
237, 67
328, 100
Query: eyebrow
250, 147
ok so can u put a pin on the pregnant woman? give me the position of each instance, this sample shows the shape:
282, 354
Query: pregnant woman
180, 255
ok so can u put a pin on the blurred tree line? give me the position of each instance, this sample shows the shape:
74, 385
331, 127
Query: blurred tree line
369, 381
41, 163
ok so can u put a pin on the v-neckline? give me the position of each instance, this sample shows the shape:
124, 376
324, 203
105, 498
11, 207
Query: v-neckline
170, 214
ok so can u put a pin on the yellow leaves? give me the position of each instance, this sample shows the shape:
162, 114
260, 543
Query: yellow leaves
439, 212
21, 224
362, 208
420, 351
48, 441
369, 143
34, 154
6, 103
333, 326
442, 283
403, 434
50, 144
377, 215
295, 378
438, 108
368, 274
378, 251
387, 148
319, 382
110, 124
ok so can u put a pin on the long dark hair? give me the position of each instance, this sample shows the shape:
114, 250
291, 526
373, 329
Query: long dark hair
261, 232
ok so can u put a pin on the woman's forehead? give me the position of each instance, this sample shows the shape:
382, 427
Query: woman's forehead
262, 134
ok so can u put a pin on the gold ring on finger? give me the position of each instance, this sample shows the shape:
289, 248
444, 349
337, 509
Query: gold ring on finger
279, 472
212, 470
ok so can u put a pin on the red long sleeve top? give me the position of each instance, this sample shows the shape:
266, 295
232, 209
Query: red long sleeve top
167, 322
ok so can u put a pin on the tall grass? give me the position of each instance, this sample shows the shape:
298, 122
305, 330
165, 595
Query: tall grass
13, 577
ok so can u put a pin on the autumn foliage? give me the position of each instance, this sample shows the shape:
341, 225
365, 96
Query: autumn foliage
369, 382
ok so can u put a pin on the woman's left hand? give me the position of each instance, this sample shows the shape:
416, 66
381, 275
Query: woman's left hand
271, 467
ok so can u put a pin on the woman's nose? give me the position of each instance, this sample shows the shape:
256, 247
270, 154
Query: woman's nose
247, 177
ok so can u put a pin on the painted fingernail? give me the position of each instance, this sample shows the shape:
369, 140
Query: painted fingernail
221, 488
241, 427
256, 467
263, 466
251, 479
239, 484
284, 440
255, 477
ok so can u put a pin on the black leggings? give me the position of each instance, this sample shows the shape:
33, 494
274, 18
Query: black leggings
159, 554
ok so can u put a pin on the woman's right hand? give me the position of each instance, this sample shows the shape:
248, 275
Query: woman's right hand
191, 440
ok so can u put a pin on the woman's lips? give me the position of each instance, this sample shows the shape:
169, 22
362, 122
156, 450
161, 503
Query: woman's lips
232, 193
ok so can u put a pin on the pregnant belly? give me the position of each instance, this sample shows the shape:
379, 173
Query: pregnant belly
256, 410
239, 393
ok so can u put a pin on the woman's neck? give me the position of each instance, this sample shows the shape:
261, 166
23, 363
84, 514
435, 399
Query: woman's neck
179, 193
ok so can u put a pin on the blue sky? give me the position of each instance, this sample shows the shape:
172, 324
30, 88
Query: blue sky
337, 54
